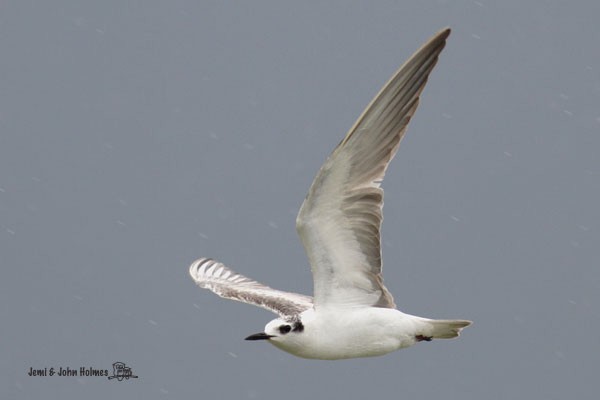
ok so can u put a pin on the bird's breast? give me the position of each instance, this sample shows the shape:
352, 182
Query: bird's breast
350, 333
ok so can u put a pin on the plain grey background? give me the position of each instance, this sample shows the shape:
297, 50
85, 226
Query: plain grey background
137, 136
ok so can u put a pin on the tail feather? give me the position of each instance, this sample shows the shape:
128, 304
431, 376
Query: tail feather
447, 328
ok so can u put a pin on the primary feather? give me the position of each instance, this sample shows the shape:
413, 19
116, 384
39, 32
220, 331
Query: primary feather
339, 222
213, 275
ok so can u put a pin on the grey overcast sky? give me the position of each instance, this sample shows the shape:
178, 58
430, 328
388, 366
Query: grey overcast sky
136, 136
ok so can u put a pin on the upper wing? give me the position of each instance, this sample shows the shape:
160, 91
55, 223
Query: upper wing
340, 219
213, 275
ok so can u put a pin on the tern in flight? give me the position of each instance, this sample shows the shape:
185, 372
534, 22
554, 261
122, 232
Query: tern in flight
351, 313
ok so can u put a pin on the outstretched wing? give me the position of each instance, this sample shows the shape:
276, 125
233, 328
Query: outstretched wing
212, 275
339, 222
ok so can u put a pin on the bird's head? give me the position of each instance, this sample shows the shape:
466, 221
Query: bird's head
279, 330
298, 335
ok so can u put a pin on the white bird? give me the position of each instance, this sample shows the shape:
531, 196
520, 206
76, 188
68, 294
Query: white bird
352, 314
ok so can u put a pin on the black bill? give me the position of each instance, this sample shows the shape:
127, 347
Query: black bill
259, 336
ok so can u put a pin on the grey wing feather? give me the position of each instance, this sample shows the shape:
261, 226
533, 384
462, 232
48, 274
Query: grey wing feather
216, 277
339, 222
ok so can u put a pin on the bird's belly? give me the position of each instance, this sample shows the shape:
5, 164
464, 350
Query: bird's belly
342, 349
361, 335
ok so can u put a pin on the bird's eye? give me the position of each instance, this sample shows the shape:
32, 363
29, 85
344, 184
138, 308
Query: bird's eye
285, 329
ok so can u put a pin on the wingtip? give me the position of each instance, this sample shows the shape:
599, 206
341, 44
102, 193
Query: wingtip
196, 265
441, 35
445, 32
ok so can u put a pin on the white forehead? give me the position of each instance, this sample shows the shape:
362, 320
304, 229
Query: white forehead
274, 324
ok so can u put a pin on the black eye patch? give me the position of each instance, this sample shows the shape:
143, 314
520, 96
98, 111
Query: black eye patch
283, 329
298, 327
